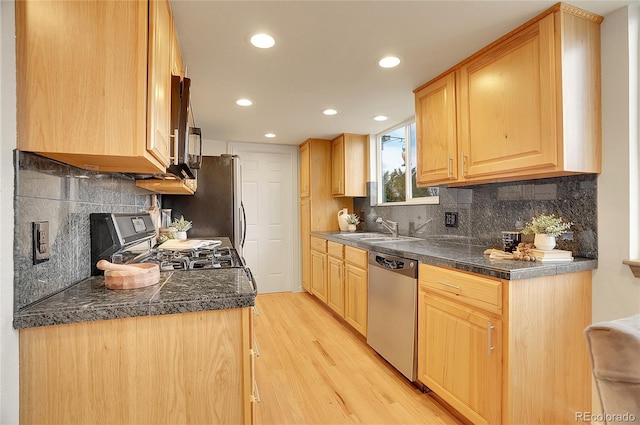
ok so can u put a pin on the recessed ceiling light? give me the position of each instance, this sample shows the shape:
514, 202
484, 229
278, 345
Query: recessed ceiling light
330, 111
262, 41
244, 102
270, 135
389, 62
381, 118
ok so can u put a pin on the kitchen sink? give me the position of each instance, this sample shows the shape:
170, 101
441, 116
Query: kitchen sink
375, 237
362, 235
378, 239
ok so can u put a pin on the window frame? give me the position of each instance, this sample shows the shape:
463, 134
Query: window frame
426, 200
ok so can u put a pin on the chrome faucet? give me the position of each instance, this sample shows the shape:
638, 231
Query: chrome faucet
392, 226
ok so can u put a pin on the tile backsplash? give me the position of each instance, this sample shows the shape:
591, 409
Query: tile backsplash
485, 210
64, 196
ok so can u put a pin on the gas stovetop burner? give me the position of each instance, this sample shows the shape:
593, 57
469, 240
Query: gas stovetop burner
194, 259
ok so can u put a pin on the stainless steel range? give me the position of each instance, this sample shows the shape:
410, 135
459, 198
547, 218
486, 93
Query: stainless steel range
126, 238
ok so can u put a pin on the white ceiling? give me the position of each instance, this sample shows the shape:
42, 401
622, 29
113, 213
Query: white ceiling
325, 56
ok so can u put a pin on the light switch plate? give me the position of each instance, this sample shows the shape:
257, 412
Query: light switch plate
41, 246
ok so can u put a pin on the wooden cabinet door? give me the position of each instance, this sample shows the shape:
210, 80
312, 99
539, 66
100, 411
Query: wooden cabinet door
159, 103
355, 310
188, 368
460, 356
305, 231
349, 165
89, 59
337, 166
436, 136
335, 296
319, 275
508, 103
305, 167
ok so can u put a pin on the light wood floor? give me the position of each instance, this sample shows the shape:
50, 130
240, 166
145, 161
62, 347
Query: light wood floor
313, 369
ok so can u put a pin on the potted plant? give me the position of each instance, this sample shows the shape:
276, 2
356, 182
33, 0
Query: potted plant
181, 227
352, 220
546, 227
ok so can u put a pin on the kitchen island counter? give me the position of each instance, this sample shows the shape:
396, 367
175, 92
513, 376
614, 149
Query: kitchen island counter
449, 252
177, 292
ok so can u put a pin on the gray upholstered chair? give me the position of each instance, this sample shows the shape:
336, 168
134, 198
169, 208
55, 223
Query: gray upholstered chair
614, 348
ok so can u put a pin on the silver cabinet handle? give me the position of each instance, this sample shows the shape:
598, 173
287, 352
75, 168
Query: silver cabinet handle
256, 350
462, 163
175, 147
448, 284
489, 328
256, 393
255, 311
449, 166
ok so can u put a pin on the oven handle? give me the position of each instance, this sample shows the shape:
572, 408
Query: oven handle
251, 278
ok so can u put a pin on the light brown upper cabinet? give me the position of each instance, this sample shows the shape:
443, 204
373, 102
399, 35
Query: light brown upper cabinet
349, 166
527, 106
93, 80
436, 147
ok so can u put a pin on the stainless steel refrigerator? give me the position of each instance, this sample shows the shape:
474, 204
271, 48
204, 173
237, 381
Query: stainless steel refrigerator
216, 208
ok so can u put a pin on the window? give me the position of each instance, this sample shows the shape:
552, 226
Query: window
396, 155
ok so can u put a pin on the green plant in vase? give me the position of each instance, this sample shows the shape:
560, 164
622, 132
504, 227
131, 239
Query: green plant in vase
546, 227
352, 220
181, 227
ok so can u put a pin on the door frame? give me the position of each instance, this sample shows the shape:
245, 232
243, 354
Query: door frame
238, 148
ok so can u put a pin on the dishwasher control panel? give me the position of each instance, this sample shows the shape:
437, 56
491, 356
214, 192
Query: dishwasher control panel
393, 264
402, 265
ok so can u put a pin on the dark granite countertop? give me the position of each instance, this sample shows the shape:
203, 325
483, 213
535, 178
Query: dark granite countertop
177, 292
443, 251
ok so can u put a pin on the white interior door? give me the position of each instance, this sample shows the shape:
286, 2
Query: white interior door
268, 193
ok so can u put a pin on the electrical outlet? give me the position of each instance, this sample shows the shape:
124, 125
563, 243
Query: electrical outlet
41, 246
451, 219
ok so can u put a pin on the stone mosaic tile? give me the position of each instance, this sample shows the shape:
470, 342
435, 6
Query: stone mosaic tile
49, 191
486, 210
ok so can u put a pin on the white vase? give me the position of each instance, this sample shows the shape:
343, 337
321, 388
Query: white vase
352, 228
181, 235
544, 242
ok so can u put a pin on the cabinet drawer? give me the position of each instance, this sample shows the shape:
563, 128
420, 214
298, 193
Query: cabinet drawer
318, 244
357, 257
335, 249
468, 288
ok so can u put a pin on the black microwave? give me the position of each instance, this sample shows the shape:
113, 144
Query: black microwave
186, 148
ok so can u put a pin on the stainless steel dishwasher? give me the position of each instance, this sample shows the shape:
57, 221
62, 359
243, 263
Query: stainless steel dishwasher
392, 310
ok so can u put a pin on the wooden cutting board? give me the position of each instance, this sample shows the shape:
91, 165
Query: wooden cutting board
148, 275
187, 244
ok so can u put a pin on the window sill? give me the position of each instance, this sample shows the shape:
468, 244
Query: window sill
634, 265
432, 200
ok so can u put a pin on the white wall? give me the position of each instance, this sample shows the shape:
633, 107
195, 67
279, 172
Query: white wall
8, 336
213, 147
616, 292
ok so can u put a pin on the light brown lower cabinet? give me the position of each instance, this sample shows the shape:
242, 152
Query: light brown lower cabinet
188, 368
505, 351
319, 268
339, 279
335, 277
356, 288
